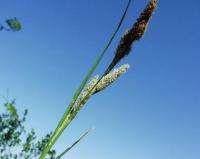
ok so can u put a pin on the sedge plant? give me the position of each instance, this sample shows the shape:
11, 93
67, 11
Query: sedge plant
87, 89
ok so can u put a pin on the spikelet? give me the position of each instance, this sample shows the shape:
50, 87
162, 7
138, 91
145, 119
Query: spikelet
86, 93
93, 87
110, 78
134, 34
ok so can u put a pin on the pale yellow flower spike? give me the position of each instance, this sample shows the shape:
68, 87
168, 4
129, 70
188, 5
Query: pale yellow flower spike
87, 92
110, 77
103, 83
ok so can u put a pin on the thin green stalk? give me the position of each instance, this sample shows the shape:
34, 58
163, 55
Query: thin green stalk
79, 90
76, 142
60, 128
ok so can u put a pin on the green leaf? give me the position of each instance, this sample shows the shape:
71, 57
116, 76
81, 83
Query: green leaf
76, 142
14, 24
11, 108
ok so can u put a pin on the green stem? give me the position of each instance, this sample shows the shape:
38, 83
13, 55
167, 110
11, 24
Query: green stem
63, 122
76, 142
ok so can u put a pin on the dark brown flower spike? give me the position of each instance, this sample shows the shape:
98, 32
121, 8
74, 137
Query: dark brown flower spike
132, 35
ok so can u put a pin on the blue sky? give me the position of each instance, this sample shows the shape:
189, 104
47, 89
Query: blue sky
151, 112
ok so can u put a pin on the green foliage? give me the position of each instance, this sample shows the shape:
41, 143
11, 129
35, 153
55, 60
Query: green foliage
12, 25
11, 109
15, 141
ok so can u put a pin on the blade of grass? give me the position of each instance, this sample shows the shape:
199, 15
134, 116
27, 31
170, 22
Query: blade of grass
79, 90
76, 142
58, 131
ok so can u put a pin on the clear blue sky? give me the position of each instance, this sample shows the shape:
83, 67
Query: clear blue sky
152, 112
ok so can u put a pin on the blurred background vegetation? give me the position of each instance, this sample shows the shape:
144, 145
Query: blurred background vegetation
12, 24
15, 141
